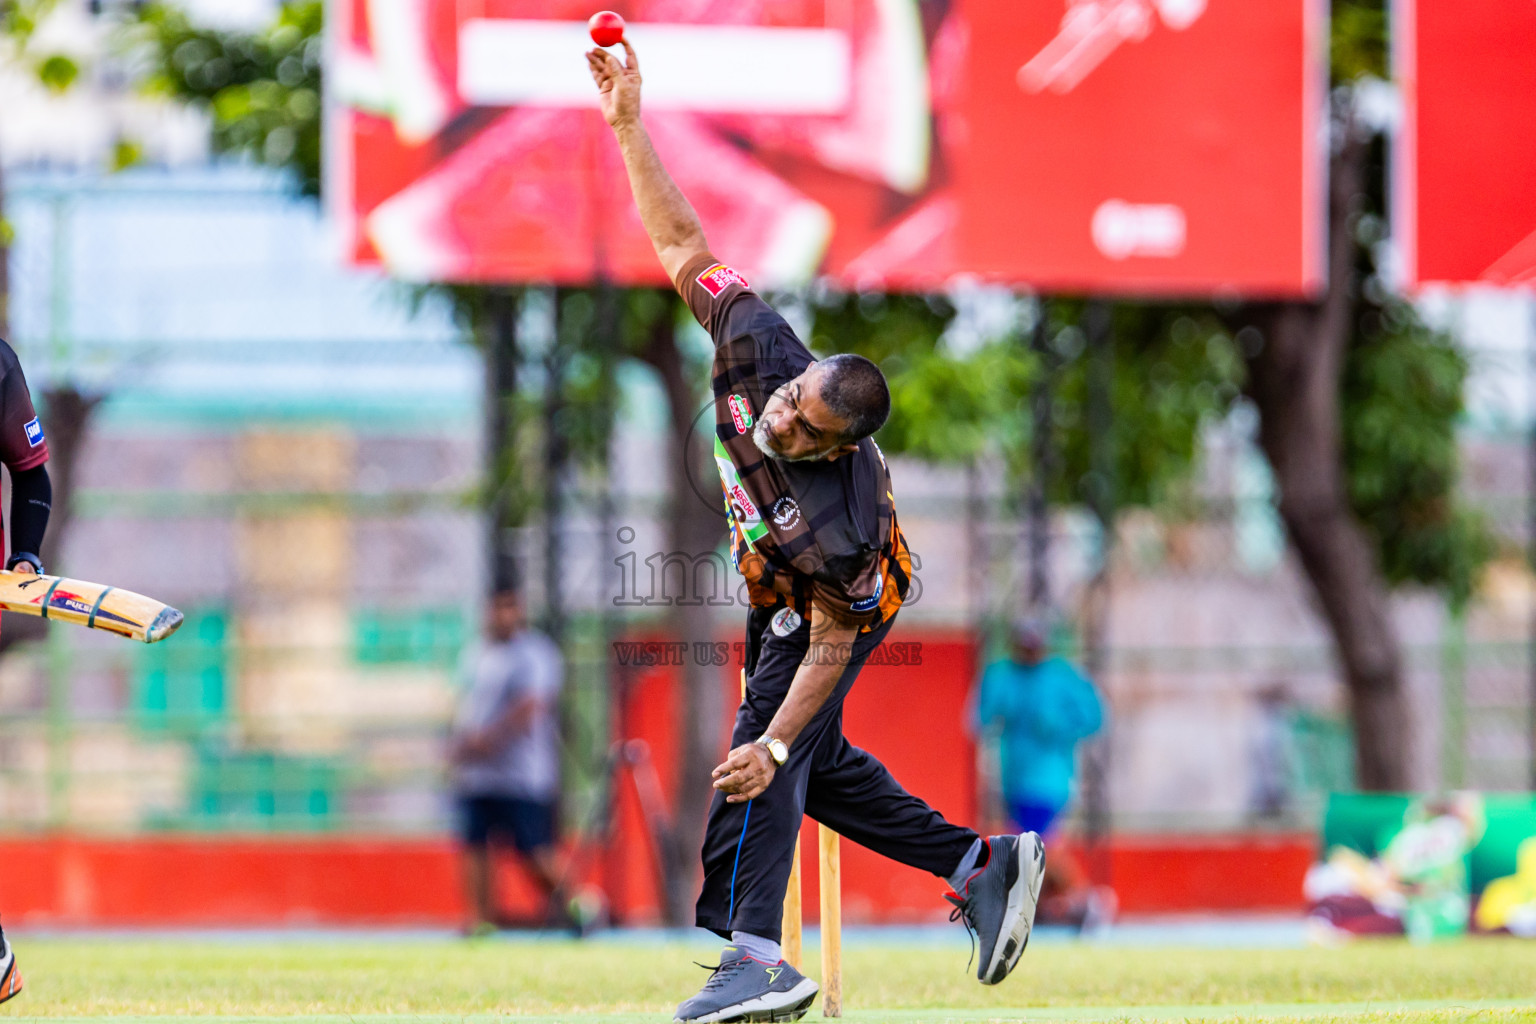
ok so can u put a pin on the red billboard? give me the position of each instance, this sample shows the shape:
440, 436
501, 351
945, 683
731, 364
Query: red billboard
1464, 202
1125, 146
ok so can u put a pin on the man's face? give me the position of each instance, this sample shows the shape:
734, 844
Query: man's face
797, 426
1028, 651
504, 617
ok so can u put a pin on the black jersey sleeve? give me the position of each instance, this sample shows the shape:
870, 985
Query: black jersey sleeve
22, 445
31, 504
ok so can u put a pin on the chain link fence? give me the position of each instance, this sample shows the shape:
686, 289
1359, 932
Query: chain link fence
292, 457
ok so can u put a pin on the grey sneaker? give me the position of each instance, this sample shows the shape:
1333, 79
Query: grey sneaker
998, 903
10, 977
744, 989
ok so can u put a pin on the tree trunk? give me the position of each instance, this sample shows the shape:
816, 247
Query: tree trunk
496, 321
1037, 512
693, 529
556, 461
1295, 379
1097, 489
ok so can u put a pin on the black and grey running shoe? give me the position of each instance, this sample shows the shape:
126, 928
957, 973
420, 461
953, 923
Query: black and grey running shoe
998, 903
744, 989
10, 977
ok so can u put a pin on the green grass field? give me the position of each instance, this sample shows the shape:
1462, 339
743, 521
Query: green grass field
437, 981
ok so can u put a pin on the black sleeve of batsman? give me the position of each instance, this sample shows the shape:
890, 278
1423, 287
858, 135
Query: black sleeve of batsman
31, 501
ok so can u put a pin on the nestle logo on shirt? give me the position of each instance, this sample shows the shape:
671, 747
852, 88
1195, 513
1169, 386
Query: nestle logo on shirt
744, 502
34, 431
720, 277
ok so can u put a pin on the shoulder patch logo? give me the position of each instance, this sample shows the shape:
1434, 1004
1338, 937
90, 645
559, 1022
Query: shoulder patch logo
34, 431
741, 413
871, 602
786, 513
719, 277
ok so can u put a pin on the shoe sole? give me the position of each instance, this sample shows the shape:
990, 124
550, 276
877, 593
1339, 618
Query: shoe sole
1019, 917
776, 1006
10, 982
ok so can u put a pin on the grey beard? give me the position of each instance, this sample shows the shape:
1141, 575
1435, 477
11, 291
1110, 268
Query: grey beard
760, 438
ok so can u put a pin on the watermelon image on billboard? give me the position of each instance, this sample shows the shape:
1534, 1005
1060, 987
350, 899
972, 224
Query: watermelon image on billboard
896, 144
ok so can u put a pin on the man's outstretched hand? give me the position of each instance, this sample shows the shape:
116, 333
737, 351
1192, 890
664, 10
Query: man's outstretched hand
618, 85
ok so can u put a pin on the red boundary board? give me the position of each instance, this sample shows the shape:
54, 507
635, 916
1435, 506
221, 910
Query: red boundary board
340, 881
262, 881
1464, 205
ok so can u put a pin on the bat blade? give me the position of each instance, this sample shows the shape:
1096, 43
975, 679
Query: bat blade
92, 605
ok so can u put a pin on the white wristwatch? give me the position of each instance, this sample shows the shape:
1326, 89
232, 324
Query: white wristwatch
777, 749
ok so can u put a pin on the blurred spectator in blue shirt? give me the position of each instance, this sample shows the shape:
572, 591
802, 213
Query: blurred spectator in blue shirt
1040, 707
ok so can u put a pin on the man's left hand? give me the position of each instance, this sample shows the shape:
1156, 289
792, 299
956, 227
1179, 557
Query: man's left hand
745, 773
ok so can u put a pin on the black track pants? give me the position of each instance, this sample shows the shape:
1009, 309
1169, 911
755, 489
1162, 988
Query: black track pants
748, 848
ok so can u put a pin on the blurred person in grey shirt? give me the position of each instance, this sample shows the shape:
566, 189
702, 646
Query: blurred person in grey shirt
506, 758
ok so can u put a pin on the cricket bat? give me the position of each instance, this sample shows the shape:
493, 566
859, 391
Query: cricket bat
91, 605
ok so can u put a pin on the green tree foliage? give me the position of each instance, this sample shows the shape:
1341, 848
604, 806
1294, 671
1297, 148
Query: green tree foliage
262, 90
1402, 384
944, 408
1176, 371
19, 20
587, 389
1402, 397
57, 72
1357, 46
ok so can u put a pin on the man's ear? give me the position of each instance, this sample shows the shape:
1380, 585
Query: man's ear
841, 450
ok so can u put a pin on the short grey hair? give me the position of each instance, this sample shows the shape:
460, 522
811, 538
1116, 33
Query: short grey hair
856, 393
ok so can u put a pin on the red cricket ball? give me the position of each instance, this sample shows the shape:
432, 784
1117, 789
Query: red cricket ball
607, 28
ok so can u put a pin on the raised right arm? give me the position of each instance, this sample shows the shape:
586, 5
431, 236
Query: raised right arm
668, 217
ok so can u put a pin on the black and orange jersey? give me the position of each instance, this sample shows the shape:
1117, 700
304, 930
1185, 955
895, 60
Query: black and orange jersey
829, 528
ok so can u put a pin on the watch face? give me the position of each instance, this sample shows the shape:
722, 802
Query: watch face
777, 749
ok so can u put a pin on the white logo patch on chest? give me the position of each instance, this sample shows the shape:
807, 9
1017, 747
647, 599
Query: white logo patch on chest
785, 621
785, 513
